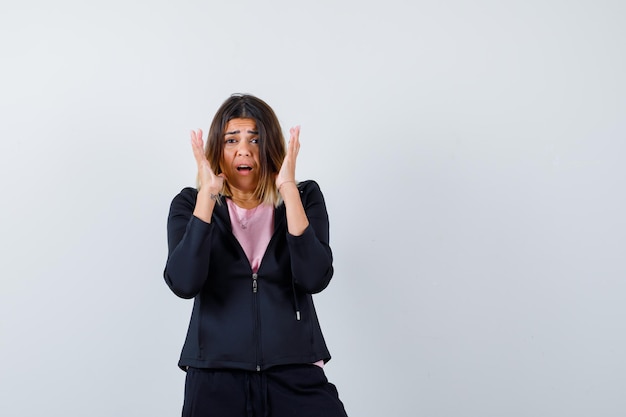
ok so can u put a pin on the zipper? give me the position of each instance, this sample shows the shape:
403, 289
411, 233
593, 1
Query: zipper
257, 324
225, 225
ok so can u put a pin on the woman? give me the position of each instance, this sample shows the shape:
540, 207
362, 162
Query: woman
250, 245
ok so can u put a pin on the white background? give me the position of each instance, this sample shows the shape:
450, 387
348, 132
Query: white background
470, 153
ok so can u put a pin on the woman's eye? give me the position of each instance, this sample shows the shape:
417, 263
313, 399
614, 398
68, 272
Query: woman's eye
255, 140
230, 140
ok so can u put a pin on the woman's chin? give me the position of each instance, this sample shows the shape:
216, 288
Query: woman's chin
244, 183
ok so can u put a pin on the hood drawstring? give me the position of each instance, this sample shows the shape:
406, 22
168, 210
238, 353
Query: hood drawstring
295, 300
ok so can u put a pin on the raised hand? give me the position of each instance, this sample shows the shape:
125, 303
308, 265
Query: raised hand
287, 173
207, 178
297, 220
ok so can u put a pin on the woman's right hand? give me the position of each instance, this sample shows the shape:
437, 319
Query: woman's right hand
207, 178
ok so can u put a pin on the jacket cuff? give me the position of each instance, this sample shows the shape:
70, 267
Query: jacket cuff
303, 239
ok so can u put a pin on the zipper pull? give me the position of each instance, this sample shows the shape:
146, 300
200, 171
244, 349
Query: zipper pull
254, 283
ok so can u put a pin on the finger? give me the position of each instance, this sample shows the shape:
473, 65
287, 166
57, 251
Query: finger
295, 133
194, 142
294, 142
192, 134
196, 146
197, 136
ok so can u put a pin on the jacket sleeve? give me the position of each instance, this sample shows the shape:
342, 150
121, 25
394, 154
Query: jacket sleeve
189, 245
311, 256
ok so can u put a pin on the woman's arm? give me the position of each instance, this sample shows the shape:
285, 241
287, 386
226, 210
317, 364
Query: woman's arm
189, 229
307, 226
189, 245
311, 256
210, 184
297, 219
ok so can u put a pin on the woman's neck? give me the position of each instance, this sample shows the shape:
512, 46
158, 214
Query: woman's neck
243, 199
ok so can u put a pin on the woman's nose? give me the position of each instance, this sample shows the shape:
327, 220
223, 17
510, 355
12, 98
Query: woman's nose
243, 149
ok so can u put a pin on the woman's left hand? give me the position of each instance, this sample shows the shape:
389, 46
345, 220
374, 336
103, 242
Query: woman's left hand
297, 221
287, 171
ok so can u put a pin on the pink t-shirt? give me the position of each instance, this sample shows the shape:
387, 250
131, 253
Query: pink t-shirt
253, 229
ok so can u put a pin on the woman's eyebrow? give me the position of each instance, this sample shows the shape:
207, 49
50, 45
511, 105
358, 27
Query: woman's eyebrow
235, 132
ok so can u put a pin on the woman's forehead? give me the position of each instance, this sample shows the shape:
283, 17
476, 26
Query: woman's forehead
239, 125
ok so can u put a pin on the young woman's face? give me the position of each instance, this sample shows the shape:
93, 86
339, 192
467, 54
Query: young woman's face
240, 160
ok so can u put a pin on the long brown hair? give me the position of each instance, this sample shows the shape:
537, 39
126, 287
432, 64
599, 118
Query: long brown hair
271, 142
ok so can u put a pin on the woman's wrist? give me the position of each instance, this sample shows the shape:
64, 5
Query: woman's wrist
206, 192
285, 182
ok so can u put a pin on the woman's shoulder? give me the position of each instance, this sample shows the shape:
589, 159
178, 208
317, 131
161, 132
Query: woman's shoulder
308, 185
185, 198
310, 191
187, 193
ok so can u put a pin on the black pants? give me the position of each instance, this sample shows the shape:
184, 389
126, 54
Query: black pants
283, 391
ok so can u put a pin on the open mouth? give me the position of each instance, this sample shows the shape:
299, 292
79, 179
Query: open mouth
244, 168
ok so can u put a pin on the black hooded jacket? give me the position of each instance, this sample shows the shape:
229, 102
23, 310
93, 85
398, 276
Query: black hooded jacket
242, 320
